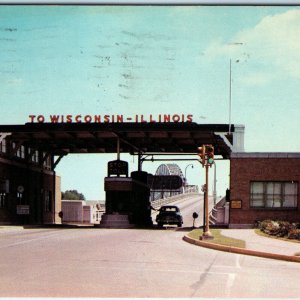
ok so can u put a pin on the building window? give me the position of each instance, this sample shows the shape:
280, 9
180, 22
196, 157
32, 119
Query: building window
20, 150
20, 198
48, 201
34, 155
47, 161
3, 146
2, 200
274, 194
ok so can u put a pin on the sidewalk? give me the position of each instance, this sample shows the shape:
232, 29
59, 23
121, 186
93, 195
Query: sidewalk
261, 243
4, 228
256, 245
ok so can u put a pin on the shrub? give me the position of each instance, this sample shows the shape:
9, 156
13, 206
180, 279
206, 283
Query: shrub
294, 234
280, 229
262, 225
277, 228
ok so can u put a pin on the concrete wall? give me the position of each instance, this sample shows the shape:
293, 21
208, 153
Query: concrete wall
81, 212
245, 168
87, 214
58, 209
72, 211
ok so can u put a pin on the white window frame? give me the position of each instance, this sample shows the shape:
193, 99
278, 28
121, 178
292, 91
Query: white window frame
3, 146
20, 151
273, 194
34, 156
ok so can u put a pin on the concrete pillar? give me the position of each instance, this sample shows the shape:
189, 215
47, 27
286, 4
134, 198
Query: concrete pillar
238, 138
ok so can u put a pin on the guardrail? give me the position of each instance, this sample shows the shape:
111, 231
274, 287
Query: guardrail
164, 201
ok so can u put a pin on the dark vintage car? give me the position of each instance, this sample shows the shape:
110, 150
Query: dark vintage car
169, 214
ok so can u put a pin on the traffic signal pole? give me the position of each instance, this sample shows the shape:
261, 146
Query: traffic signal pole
206, 154
206, 233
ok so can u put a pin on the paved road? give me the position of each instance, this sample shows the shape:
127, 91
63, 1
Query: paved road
133, 263
191, 203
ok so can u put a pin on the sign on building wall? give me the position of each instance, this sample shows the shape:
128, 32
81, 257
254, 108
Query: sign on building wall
23, 210
236, 204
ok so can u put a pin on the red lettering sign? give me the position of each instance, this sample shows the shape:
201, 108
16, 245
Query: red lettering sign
79, 118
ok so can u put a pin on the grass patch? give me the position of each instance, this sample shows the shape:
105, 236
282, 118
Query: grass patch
218, 238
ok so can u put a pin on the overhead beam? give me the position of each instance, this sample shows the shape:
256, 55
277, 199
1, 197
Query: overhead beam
3, 135
119, 136
58, 160
225, 139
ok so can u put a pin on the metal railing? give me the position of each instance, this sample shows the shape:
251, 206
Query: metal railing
164, 201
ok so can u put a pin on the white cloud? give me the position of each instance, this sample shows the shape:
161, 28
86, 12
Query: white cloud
15, 81
257, 78
276, 40
272, 46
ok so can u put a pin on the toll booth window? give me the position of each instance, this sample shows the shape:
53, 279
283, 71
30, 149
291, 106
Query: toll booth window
274, 194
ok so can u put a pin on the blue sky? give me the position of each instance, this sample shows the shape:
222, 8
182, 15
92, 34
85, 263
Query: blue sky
153, 59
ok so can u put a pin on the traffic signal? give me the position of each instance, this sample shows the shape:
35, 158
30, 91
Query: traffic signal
210, 153
201, 154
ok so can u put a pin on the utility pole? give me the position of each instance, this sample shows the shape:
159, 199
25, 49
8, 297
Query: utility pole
206, 231
230, 95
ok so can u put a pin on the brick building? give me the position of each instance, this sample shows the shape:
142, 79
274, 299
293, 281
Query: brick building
264, 186
28, 186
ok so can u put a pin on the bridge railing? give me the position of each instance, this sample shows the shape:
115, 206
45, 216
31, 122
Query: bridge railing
219, 213
164, 201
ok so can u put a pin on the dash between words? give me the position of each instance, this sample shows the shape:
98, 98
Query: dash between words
118, 118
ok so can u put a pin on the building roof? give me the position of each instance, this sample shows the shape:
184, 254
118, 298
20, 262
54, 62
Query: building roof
266, 155
64, 138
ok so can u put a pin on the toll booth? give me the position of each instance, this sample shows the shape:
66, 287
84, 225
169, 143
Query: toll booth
127, 200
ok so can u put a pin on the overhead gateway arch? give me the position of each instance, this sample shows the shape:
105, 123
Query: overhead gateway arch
63, 138
28, 153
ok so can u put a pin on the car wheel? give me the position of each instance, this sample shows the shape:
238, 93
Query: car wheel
179, 224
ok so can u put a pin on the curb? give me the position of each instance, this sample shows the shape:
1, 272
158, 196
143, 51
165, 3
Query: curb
237, 250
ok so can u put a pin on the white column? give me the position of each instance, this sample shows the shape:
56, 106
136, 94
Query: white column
238, 138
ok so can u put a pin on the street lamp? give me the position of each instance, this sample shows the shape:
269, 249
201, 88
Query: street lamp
185, 175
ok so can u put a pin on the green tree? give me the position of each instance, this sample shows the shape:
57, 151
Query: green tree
72, 195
